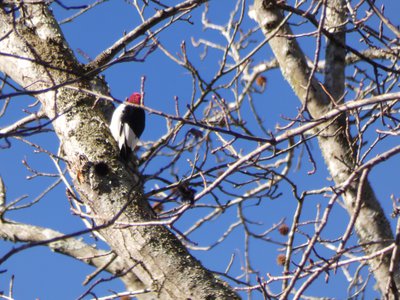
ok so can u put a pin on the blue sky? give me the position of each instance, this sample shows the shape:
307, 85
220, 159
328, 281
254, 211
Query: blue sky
42, 274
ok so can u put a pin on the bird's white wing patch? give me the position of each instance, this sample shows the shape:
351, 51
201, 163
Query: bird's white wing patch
130, 137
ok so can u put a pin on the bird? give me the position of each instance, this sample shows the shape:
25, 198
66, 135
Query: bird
127, 125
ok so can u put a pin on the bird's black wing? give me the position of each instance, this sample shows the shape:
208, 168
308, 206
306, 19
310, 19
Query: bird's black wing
135, 117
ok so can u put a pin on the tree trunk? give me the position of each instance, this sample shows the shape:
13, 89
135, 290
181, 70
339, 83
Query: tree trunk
36, 56
371, 225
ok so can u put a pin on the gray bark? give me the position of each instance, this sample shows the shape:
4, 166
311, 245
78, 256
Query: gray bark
75, 248
36, 56
371, 225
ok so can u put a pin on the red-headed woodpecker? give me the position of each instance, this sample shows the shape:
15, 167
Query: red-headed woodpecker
127, 125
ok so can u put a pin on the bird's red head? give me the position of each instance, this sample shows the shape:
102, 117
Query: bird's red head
135, 98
